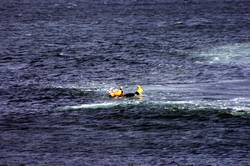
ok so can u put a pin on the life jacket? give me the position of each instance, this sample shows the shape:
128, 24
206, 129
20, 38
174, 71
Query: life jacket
119, 92
139, 90
116, 93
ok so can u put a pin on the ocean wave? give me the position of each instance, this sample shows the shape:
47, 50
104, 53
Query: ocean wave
235, 106
236, 54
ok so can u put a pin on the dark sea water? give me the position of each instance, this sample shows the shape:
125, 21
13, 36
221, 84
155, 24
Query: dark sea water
58, 58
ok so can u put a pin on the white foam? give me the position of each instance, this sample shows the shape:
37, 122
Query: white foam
91, 106
102, 105
237, 104
238, 53
232, 105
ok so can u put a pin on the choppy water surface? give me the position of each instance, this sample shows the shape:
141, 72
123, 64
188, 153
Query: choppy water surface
58, 59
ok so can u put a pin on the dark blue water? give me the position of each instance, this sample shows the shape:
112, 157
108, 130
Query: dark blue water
58, 58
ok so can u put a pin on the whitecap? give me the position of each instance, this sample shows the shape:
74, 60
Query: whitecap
236, 54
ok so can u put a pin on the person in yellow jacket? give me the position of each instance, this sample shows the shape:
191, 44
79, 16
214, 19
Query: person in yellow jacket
116, 92
120, 93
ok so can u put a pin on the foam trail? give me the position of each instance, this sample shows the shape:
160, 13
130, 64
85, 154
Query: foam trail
101, 105
91, 106
202, 104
